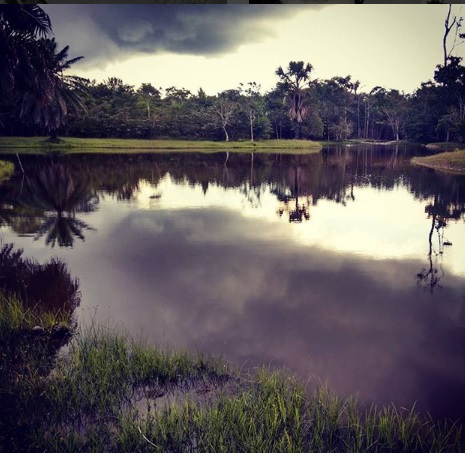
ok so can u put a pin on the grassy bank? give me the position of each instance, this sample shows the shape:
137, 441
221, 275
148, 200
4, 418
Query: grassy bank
109, 393
453, 161
25, 145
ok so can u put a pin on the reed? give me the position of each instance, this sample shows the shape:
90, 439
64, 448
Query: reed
110, 393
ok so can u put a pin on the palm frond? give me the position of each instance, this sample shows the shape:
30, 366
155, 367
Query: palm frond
25, 20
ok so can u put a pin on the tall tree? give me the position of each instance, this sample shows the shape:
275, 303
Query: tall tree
253, 104
32, 68
394, 107
225, 106
20, 27
277, 112
296, 81
451, 77
148, 93
49, 105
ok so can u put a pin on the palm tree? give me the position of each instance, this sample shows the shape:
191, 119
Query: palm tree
296, 82
20, 27
48, 105
32, 68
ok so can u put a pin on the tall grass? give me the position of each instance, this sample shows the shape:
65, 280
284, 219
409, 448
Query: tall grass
15, 317
29, 342
90, 402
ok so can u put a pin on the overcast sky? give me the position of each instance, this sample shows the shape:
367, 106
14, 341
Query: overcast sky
218, 46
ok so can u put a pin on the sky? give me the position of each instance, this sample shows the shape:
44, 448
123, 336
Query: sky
216, 47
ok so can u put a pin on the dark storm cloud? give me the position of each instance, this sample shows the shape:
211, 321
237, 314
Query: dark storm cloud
107, 32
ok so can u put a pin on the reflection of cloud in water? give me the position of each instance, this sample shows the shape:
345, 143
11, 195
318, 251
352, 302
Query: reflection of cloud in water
361, 324
335, 297
381, 224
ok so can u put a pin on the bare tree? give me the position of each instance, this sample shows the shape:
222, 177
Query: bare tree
252, 103
449, 24
225, 106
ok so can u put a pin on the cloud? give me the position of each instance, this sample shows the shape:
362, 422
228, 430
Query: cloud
105, 33
214, 281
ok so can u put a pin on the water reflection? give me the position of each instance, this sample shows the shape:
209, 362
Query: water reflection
49, 294
296, 207
213, 281
41, 287
440, 210
300, 180
312, 262
47, 202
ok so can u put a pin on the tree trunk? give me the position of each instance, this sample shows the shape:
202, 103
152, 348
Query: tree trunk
226, 134
448, 27
367, 120
54, 137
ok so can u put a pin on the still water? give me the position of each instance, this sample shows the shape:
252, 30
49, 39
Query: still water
346, 267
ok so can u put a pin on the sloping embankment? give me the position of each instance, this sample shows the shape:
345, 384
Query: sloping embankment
453, 161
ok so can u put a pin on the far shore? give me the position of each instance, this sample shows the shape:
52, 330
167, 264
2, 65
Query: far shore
38, 145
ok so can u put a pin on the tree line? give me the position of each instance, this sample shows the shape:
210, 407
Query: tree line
38, 98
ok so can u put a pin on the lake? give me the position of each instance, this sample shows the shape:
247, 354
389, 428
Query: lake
346, 267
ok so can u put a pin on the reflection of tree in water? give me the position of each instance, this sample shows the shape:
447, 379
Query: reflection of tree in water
297, 181
430, 276
440, 211
252, 190
295, 205
48, 292
296, 185
43, 287
389, 167
348, 167
54, 191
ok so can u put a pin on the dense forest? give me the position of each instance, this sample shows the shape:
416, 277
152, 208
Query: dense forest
39, 98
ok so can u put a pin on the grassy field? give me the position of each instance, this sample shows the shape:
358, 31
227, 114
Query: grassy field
109, 393
36, 145
453, 161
